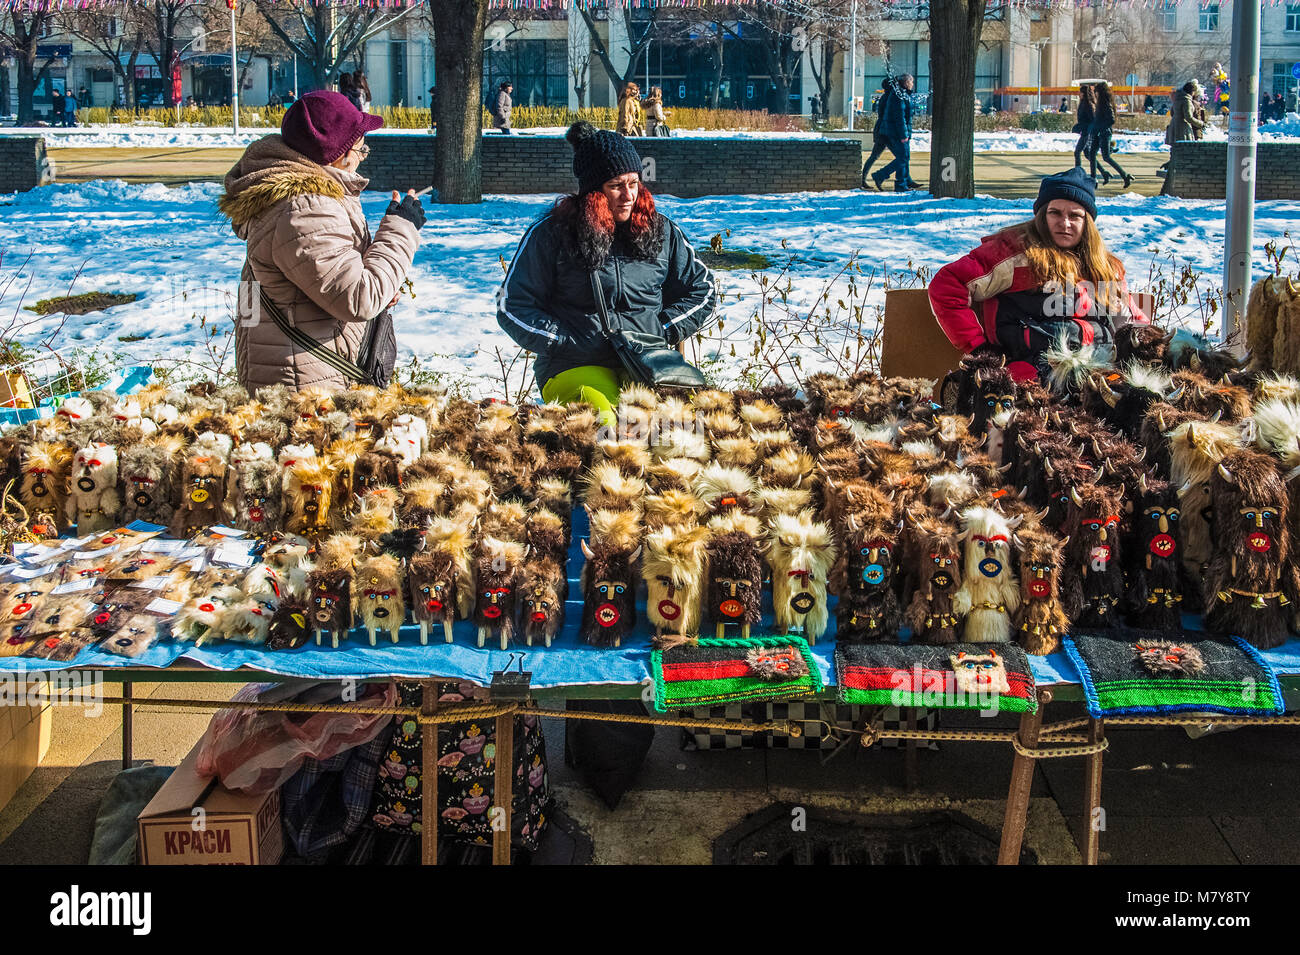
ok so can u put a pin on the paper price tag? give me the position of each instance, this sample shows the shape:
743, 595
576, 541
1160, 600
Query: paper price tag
74, 586
30, 573
228, 531
152, 583
232, 557
164, 606
159, 546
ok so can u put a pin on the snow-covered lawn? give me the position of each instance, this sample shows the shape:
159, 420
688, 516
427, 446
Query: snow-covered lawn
172, 247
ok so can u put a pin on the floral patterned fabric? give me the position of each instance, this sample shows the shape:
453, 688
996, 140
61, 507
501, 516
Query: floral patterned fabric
466, 774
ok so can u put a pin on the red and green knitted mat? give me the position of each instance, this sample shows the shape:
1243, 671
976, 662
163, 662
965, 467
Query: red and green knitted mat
961, 676
1140, 671
713, 671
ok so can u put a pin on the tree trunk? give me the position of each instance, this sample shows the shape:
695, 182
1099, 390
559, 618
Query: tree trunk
955, 27
718, 68
26, 86
458, 146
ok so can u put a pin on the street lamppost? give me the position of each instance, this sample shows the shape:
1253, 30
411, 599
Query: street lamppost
234, 69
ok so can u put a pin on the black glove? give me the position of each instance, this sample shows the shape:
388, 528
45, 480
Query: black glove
409, 209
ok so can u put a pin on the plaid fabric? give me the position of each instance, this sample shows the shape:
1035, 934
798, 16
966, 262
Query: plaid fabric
809, 713
324, 803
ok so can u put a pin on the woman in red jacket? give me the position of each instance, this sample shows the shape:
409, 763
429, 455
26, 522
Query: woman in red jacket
1038, 283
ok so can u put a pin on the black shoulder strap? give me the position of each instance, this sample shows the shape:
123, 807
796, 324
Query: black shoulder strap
599, 292
344, 366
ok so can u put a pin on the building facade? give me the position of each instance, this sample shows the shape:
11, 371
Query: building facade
550, 59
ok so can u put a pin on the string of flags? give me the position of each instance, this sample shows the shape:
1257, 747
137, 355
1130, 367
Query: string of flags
48, 5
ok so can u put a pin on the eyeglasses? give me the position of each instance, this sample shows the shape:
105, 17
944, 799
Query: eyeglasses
362, 150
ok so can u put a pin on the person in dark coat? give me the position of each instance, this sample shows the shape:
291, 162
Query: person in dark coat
877, 143
56, 108
1037, 282
1083, 122
502, 107
1103, 121
893, 131
652, 279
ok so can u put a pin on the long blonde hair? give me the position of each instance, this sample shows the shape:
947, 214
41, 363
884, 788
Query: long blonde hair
1089, 261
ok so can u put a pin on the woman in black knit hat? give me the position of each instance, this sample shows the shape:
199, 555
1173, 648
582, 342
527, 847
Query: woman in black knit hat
653, 281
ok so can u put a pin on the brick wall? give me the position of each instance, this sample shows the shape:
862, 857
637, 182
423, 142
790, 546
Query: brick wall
1199, 170
23, 164
677, 167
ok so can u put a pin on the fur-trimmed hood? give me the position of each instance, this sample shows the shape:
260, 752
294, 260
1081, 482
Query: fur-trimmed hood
270, 172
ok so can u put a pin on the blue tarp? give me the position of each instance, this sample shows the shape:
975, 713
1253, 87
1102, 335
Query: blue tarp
567, 662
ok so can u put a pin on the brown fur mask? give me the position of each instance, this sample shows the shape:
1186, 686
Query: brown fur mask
1252, 546
1040, 623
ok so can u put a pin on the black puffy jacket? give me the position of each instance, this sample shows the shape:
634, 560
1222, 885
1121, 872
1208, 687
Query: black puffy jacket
546, 303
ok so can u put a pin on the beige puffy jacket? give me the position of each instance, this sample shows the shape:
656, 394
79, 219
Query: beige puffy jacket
310, 248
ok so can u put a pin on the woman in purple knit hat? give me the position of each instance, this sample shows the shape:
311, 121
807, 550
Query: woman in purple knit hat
295, 199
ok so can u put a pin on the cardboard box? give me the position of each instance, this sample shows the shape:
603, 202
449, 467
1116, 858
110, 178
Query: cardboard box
236, 829
24, 741
914, 346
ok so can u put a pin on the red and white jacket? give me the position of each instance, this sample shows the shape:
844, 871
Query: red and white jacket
964, 296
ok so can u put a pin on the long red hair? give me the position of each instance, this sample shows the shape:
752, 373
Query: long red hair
591, 225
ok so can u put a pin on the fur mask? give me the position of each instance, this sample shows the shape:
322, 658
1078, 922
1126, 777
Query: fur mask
203, 489
92, 502
309, 494
380, 603
149, 475
1094, 582
801, 552
673, 569
868, 611
330, 604
257, 495
1249, 568
44, 486
989, 585
735, 574
609, 578
1040, 623
498, 572
436, 582
1153, 555
544, 591
932, 551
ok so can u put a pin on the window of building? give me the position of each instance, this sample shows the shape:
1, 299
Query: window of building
1283, 81
1293, 18
1169, 16
538, 70
1209, 18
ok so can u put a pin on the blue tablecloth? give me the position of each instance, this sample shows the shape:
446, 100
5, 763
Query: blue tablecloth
567, 662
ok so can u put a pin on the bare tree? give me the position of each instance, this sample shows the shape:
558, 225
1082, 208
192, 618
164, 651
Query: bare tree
22, 34
458, 27
325, 36
634, 52
117, 34
783, 28
579, 57
257, 38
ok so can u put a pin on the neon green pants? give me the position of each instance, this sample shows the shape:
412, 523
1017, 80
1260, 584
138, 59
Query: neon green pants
594, 384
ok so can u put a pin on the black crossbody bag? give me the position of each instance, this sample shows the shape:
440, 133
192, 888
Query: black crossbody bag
378, 350
648, 359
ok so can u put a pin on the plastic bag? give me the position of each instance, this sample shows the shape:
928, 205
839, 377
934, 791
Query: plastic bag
255, 751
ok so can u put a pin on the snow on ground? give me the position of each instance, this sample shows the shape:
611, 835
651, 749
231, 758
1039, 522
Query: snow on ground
172, 247
1019, 140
